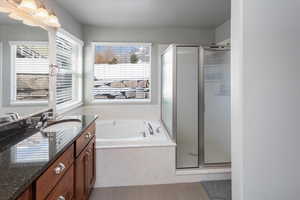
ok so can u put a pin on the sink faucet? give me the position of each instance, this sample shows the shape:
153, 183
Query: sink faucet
43, 120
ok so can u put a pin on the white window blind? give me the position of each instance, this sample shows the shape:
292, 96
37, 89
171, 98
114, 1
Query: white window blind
122, 71
64, 80
31, 66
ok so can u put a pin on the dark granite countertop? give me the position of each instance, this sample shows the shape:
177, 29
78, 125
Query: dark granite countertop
26, 155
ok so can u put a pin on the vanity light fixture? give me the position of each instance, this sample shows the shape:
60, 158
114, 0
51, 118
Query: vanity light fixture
29, 23
14, 16
4, 10
53, 20
41, 13
28, 5
31, 12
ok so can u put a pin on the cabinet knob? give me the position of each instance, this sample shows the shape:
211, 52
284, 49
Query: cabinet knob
59, 168
61, 198
88, 135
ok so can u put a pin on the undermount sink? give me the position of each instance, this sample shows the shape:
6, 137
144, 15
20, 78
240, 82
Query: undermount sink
63, 125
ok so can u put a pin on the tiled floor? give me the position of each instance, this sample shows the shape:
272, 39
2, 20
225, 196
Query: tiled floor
186, 191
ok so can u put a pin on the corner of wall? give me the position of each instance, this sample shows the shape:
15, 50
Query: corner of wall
222, 32
68, 22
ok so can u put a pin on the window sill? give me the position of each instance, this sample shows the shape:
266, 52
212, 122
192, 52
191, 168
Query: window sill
26, 103
61, 109
121, 101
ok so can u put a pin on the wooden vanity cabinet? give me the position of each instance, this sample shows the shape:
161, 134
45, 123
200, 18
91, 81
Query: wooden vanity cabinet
91, 165
72, 176
27, 195
54, 174
85, 171
64, 190
84, 139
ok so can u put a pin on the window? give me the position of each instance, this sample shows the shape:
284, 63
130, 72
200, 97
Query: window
69, 77
30, 66
122, 71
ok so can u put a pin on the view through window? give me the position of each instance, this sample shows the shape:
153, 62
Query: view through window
31, 67
122, 71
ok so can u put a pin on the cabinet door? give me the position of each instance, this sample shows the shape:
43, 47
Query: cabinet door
27, 195
85, 171
91, 163
80, 176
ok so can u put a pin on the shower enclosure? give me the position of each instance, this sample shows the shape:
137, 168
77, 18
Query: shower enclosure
196, 103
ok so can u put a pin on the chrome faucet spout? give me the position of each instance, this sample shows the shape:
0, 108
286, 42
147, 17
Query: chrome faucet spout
150, 129
43, 120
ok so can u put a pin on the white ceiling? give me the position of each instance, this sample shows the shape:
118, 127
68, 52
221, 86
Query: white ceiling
149, 13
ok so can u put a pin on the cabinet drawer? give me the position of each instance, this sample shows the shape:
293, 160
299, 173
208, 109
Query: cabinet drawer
47, 181
85, 138
64, 190
27, 195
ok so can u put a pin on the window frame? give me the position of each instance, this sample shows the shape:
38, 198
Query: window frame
77, 71
13, 77
120, 101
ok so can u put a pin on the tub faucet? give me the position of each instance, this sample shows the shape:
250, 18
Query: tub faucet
150, 129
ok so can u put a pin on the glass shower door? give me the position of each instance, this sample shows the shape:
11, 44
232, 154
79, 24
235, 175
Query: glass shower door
195, 104
167, 81
187, 67
216, 74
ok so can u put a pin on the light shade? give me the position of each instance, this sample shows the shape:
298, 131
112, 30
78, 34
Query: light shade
31, 12
41, 13
4, 10
53, 21
15, 16
29, 23
28, 5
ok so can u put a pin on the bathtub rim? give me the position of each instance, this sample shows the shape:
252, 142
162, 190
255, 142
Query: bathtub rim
168, 142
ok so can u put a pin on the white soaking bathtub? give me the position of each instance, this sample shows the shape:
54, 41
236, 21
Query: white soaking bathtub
128, 154
131, 133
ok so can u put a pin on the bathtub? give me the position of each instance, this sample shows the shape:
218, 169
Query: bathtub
127, 154
131, 133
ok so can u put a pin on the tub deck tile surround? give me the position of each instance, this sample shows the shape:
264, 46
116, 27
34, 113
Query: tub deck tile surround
20, 167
